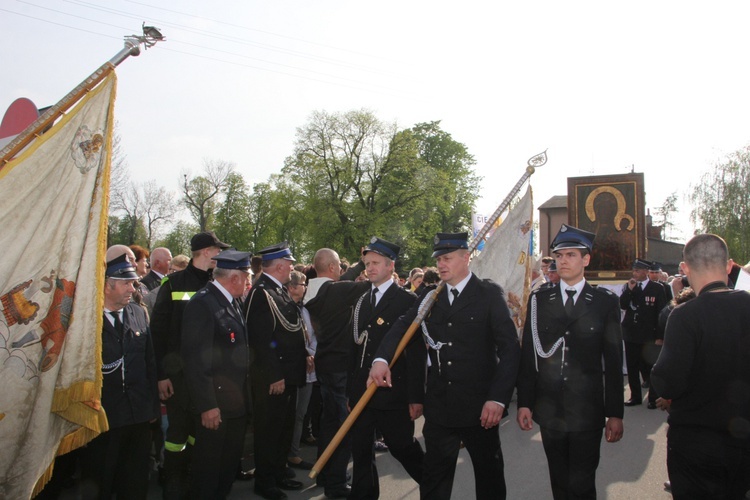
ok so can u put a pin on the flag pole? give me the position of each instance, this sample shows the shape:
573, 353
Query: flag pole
132, 47
531, 165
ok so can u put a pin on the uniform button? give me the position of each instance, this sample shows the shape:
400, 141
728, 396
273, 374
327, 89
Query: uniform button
565, 378
449, 382
450, 344
566, 349
281, 357
566, 363
450, 363
450, 324
567, 333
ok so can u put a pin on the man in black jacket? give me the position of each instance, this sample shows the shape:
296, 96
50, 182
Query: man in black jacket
277, 341
392, 410
330, 299
215, 350
704, 368
642, 300
474, 354
570, 328
116, 462
166, 324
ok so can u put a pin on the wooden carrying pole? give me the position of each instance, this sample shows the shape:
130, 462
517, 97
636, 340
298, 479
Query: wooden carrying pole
534, 161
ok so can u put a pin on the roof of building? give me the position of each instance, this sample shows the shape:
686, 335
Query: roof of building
559, 201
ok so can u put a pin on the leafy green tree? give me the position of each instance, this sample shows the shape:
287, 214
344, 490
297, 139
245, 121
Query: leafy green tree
356, 176
178, 238
202, 195
722, 203
232, 221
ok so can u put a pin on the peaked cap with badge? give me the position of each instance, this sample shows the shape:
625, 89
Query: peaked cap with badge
277, 251
449, 242
382, 247
233, 259
120, 268
572, 237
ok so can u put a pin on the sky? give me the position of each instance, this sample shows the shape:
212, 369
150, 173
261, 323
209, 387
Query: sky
605, 87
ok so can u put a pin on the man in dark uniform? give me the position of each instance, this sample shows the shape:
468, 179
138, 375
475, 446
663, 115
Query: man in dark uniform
277, 340
392, 410
704, 368
215, 350
166, 324
655, 274
642, 300
474, 355
570, 328
116, 462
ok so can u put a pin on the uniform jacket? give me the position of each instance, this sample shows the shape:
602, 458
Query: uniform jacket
135, 399
642, 310
277, 352
408, 374
570, 394
215, 349
166, 320
479, 358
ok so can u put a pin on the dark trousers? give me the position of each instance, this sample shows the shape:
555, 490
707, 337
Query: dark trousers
216, 457
572, 458
398, 432
274, 425
178, 444
706, 464
637, 359
442, 445
334, 412
116, 463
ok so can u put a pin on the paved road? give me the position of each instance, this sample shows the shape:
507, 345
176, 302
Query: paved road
633, 468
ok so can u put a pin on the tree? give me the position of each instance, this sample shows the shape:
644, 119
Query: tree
722, 203
159, 207
202, 195
118, 173
232, 221
665, 214
178, 238
355, 176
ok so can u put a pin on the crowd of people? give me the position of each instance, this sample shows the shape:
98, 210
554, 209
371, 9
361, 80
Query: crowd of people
210, 359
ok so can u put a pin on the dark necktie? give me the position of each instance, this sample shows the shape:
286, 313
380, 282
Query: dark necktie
374, 297
640, 286
569, 305
454, 291
118, 323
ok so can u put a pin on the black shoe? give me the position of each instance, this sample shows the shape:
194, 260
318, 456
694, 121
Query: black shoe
342, 492
651, 406
300, 465
271, 493
245, 475
632, 402
289, 484
290, 474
